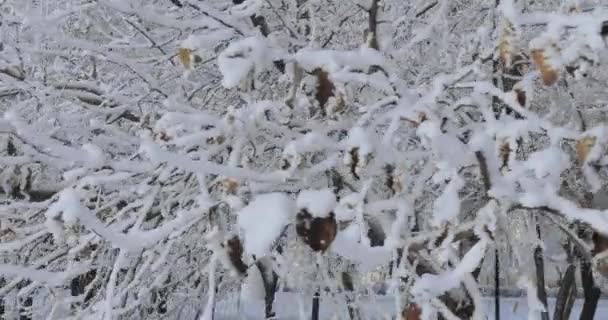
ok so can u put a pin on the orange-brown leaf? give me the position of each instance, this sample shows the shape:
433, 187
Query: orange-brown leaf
583, 147
506, 45
548, 74
230, 186
185, 57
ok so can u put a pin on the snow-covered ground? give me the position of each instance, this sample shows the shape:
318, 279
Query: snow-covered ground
288, 307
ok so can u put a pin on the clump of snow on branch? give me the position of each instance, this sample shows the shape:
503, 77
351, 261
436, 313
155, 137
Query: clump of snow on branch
263, 220
244, 56
318, 203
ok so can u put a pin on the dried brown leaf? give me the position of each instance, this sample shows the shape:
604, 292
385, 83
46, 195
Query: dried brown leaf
506, 45
583, 147
185, 57
521, 97
549, 74
235, 253
412, 312
318, 233
325, 88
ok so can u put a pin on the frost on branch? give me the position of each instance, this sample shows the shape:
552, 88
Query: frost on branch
301, 159
244, 57
263, 220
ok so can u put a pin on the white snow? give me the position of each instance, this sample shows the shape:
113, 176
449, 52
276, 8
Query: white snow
427, 95
548, 164
209, 307
207, 40
347, 66
451, 153
548, 197
263, 220
376, 307
252, 288
447, 206
42, 276
67, 208
393, 238
319, 203
433, 285
310, 142
359, 138
535, 306
348, 244
334, 60
244, 56
95, 157
507, 7
247, 8
347, 207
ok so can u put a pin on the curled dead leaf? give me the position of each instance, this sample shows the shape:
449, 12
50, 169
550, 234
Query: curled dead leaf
583, 147
234, 248
600, 245
162, 136
422, 117
412, 312
317, 233
506, 45
392, 180
521, 97
185, 57
505, 153
325, 88
549, 74
416, 122
354, 162
230, 186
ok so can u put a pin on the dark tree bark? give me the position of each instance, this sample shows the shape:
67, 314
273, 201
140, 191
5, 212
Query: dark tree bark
566, 295
539, 262
270, 279
2, 284
315, 306
591, 292
177, 3
349, 287
496, 285
373, 25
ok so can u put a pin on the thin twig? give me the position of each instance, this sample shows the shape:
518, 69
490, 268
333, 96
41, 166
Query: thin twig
152, 42
426, 9
483, 168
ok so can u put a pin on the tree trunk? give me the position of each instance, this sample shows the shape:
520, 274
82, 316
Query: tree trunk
541, 291
315, 306
566, 295
2, 307
270, 279
347, 283
591, 292
496, 285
